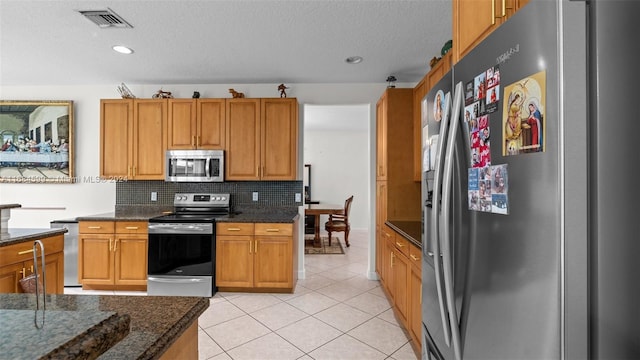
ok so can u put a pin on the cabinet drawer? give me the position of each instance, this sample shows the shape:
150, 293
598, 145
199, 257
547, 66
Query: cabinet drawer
402, 244
415, 256
96, 227
24, 251
234, 229
274, 229
131, 227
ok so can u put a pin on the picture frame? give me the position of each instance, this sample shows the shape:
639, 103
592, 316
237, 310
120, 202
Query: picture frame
37, 141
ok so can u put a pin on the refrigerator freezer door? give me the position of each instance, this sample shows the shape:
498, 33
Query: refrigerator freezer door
515, 301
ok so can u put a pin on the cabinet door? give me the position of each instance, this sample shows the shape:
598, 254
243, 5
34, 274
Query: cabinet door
9, 277
474, 20
273, 262
401, 270
243, 139
381, 215
234, 261
130, 260
181, 124
211, 124
279, 140
381, 138
54, 272
116, 118
415, 303
387, 261
418, 93
149, 138
95, 259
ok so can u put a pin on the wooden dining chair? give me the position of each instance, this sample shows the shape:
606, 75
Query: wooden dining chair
340, 222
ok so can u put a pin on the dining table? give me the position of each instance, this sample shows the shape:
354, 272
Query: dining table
318, 209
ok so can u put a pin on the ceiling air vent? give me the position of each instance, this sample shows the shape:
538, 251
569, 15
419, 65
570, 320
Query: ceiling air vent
105, 18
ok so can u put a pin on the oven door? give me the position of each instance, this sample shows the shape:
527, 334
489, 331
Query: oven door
186, 249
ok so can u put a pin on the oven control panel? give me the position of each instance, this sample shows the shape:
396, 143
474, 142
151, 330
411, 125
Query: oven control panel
200, 199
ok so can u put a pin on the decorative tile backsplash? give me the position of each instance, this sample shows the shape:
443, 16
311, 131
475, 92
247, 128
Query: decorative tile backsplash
270, 193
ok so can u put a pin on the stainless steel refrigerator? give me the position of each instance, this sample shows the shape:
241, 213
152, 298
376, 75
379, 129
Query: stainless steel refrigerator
528, 184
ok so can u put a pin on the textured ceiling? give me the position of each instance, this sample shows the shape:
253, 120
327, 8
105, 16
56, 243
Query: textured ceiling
47, 42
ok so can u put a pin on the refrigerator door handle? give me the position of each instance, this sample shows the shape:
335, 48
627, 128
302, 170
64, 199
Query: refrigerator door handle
435, 217
447, 253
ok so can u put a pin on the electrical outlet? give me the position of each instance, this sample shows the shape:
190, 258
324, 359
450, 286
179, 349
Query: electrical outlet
298, 197
154, 196
255, 196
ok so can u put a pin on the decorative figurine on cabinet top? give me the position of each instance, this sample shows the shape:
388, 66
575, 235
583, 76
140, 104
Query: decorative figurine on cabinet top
282, 89
162, 95
235, 94
125, 92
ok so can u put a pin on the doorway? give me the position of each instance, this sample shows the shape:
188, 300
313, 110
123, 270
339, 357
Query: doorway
337, 148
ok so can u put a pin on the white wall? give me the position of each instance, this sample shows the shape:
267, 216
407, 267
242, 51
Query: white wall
339, 161
88, 198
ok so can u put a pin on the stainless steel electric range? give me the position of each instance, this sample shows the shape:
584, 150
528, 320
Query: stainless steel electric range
182, 247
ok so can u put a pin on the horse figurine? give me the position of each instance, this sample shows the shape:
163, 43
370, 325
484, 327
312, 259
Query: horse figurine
235, 94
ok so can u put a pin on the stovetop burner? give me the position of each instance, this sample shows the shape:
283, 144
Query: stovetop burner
192, 208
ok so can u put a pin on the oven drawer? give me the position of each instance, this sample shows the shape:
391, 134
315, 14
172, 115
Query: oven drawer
234, 229
131, 227
96, 227
274, 229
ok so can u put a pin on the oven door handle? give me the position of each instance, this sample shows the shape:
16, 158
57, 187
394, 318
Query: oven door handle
174, 280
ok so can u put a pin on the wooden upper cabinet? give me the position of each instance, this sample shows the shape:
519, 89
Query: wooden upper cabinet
196, 124
279, 139
133, 138
262, 139
181, 124
211, 123
419, 91
116, 120
474, 20
381, 138
242, 159
149, 138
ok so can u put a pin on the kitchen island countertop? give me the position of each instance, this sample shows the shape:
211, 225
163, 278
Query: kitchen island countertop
156, 322
18, 235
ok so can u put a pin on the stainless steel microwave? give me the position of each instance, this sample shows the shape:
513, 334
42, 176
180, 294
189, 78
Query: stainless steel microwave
194, 166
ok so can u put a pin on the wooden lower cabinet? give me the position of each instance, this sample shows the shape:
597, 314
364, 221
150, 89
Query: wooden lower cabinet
16, 262
401, 280
112, 255
415, 294
257, 257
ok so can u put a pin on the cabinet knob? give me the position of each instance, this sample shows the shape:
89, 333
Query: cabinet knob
25, 252
131, 228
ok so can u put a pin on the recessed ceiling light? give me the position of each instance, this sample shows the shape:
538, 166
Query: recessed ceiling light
122, 49
353, 60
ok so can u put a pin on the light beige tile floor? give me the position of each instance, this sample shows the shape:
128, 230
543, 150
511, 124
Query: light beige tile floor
335, 313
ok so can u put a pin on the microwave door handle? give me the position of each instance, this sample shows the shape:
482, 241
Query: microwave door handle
207, 167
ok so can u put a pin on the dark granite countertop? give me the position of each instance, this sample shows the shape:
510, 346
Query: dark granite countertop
412, 230
59, 334
274, 215
9, 206
277, 216
155, 321
18, 235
